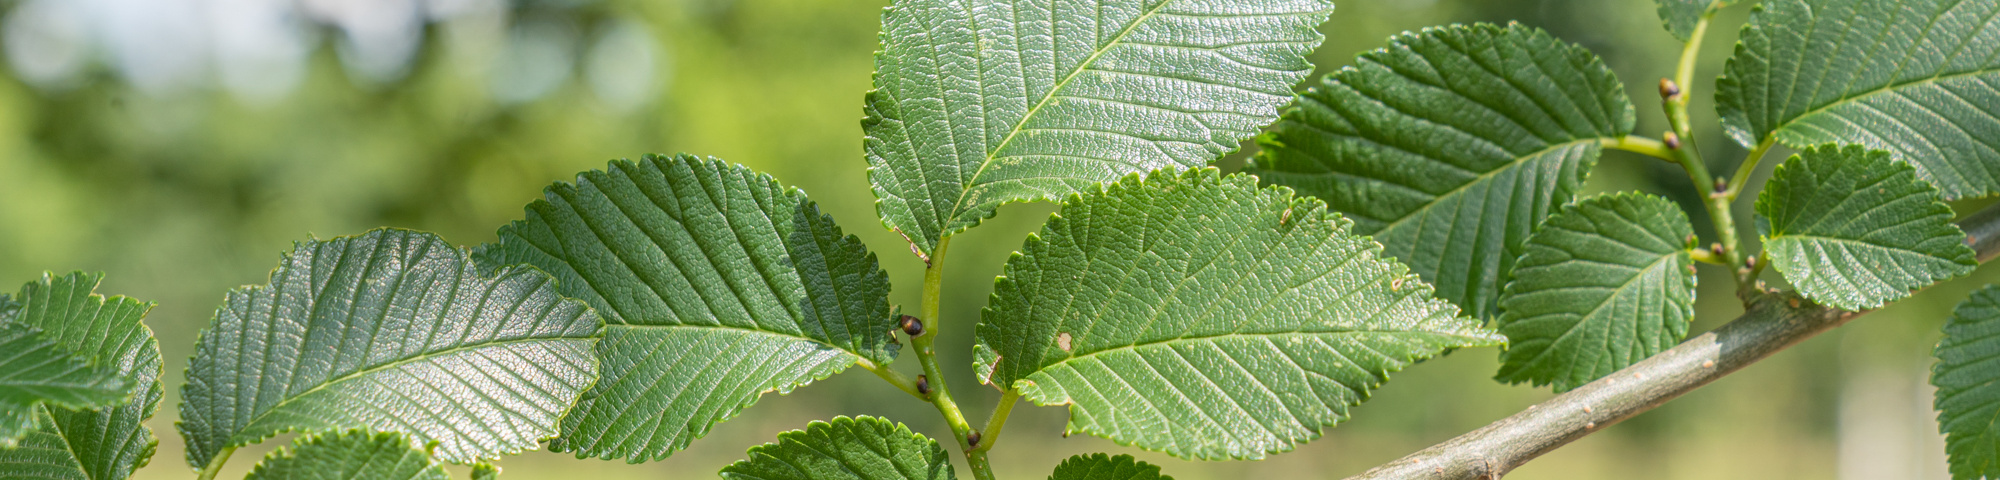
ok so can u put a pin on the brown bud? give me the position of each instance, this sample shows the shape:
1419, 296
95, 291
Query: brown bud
912, 326
923, 385
972, 439
1669, 89
1750, 262
1673, 141
1715, 249
1721, 184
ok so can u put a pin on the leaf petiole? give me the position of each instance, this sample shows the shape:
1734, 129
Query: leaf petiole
901, 381
1641, 145
215, 465
991, 434
1748, 167
926, 349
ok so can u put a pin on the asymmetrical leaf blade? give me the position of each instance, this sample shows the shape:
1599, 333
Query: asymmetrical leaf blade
1450, 145
90, 444
979, 103
1098, 466
860, 448
1912, 77
1605, 283
719, 284
352, 454
1205, 317
1968, 388
393, 331
1854, 228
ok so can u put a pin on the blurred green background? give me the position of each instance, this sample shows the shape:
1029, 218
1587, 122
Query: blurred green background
182, 145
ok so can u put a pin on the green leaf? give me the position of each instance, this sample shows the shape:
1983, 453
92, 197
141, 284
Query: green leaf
1680, 16
352, 454
1205, 317
1968, 386
1450, 146
392, 331
104, 443
1606, 283
860, 448
1853, 228
1914, 77
718, 284
38, 370
1098, 466
979, 103
485, 471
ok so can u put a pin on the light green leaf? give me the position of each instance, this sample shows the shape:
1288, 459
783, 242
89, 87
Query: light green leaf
1098, 466
1968, 386
392, 331
485, 471
719, 284
36, 370
979, 103
1915, 77
1606, 283
1205, 317
860, 448
1680, 16
1853, 228
348, 455
97, 444
1450, 146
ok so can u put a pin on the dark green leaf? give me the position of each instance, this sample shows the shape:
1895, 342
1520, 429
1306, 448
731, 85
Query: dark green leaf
1918, 78
1098, 466
1606, 283
1968, 386
96, 444
1680, 16
984, 102
1205, 317
1853, 228
860, 448
349, 455
37, 369
392, 331
1451, 145
718, 284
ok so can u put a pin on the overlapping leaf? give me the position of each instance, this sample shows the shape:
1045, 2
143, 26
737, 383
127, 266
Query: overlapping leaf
1853, 228
38, 368
1206, 317
392, 331
718, 284
90, 444
348, 455
1681, 16
1968, 387
1098, 466
1605, 283
1915, 77
861, 448
1450, 145
983, 102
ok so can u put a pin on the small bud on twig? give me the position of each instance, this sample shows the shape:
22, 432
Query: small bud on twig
1669, 89
1721, 184
1750, 262
1673, 141
912, 326
1715, 249
972, 439
923, 385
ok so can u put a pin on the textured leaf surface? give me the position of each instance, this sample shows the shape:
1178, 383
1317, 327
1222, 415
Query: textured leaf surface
1206, 317
36, 370
1605, 283
1968, 382
860, 448
1098, 466
1680, 16
983, 102
392, 331
100, 444
1853, 228
718, 284
1918, 78
1450, 145
348, 455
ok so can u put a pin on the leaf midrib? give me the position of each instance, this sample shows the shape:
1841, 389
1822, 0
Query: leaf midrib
1488, 176
1849, 241
1622, 286
958, 206
260, 416
1211, 338
1858, 97
768, 333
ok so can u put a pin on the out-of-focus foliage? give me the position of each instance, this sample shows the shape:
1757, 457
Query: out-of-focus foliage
181, 149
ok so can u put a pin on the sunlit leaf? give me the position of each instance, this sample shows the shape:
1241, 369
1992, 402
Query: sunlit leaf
90, 444
349, 455
1968, 387
1098, 466
1205, 317
1854, 228
860, 448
